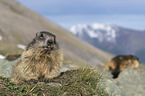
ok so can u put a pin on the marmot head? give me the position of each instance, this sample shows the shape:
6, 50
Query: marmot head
44, 40
135, 58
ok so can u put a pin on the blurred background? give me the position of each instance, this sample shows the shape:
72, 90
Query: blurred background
115, 26
125, 13
90, 31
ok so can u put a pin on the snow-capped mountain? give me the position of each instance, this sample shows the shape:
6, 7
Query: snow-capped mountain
112, 38
100, 31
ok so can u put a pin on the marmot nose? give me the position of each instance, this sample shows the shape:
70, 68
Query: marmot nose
48, 42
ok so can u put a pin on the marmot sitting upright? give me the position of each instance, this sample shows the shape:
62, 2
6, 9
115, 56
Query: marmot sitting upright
42, 58
120, 62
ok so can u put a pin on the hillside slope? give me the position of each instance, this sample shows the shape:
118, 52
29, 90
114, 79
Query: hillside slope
19, 24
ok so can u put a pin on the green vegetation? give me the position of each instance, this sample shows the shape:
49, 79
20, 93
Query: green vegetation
77, 82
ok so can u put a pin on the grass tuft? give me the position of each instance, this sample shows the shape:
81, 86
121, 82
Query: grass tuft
77, 82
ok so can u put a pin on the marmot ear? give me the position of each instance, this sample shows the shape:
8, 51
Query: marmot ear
37, 34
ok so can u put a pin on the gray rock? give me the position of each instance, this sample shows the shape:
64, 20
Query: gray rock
54, 84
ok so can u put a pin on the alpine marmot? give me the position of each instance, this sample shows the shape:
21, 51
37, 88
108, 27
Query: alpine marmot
42, 58
120, 62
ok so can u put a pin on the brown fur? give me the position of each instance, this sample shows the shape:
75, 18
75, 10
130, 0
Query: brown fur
120, 62
37, 62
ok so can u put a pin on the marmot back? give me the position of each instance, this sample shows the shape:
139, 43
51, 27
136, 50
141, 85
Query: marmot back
42, 59
120, 62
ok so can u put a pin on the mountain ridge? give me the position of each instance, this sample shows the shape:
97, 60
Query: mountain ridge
112, 38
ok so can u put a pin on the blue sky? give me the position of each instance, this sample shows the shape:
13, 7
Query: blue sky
126, 13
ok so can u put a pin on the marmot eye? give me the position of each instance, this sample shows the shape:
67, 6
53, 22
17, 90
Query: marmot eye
41, 36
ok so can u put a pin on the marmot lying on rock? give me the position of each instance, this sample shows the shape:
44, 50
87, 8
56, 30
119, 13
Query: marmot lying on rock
120, 62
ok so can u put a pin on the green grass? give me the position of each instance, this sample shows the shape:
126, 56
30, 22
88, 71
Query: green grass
77, 82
